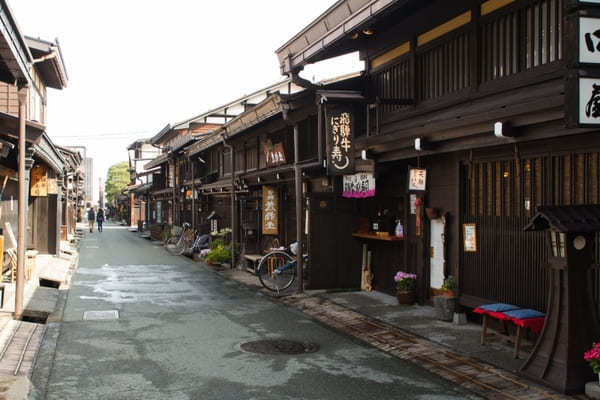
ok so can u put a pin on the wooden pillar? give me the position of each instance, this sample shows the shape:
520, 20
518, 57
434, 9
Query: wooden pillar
22, 206
132, 221
299, 233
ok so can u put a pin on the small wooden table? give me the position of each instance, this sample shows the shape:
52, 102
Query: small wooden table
252, 262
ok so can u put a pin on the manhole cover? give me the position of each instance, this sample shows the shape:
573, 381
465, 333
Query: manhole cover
100, 315
279, 347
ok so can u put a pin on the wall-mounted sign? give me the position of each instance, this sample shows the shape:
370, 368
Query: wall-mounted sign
470, 238
274, 153
359, 186
417, 179
39, 181
270, 210
171, 168
159, 212
589, 40
589, 100
340, 140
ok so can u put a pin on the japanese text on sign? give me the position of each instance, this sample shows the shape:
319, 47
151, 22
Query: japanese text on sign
417, 179
589, 40
340, 155
359, 186
589, 101
39, 181
270, 210
274, 154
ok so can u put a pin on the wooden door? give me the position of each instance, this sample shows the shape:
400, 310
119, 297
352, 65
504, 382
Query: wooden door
335, 256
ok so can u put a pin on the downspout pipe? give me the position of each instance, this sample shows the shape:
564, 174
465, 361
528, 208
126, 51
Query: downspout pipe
233, 202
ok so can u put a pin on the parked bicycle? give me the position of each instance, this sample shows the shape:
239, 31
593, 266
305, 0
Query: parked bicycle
177, 244
277, 270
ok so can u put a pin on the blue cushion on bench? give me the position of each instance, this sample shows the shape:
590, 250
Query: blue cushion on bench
498, 307
524, 313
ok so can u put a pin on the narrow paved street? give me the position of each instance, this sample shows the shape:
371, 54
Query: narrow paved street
178, 336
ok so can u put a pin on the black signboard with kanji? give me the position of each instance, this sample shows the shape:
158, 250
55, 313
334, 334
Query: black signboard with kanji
340, 140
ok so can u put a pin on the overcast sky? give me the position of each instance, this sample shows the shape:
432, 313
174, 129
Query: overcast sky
136, 65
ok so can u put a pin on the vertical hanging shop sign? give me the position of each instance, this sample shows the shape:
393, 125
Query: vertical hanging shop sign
39, 181
270, 210
340, 140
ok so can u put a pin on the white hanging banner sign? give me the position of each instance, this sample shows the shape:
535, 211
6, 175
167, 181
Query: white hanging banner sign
589, 40
359, 186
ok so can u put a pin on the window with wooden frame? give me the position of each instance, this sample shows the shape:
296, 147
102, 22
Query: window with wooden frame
445, 68
251, 155
393, 82
521, 40
226, 162
514, 188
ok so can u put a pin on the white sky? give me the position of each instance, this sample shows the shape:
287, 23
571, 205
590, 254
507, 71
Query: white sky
136, 65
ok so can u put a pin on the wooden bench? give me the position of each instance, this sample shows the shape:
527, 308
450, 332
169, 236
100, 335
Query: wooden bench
252, 261
520, 317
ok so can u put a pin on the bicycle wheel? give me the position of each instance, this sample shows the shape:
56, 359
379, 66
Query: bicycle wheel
176, 248
277, 271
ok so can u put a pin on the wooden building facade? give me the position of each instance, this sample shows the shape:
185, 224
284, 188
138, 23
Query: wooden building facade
440, 76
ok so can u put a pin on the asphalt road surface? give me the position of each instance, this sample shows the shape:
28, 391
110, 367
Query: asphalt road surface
179, 332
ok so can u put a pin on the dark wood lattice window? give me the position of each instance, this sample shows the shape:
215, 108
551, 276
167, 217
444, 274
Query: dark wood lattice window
521, 40
394, 83
444, 69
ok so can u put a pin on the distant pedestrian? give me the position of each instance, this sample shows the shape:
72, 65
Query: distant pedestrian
100, 219
91, 217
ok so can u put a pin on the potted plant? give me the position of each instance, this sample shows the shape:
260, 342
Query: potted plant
592, 356
445, 303
405, 287
219, 253
449, 287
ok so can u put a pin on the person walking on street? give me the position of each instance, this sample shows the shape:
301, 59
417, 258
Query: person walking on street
100, 219
91, 217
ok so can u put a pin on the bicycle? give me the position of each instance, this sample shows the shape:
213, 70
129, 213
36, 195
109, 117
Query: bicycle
184, 241
277, 270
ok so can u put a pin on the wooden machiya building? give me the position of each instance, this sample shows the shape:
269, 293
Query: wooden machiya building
477, 113
45, 166
268, 141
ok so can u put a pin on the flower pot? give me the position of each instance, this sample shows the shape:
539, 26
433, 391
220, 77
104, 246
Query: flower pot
449, 294
405, 297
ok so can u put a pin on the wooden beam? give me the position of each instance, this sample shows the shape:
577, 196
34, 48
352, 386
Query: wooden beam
492, 5
445, 28
393, 54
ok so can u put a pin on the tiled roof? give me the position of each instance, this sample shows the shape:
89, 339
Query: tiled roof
579, 218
